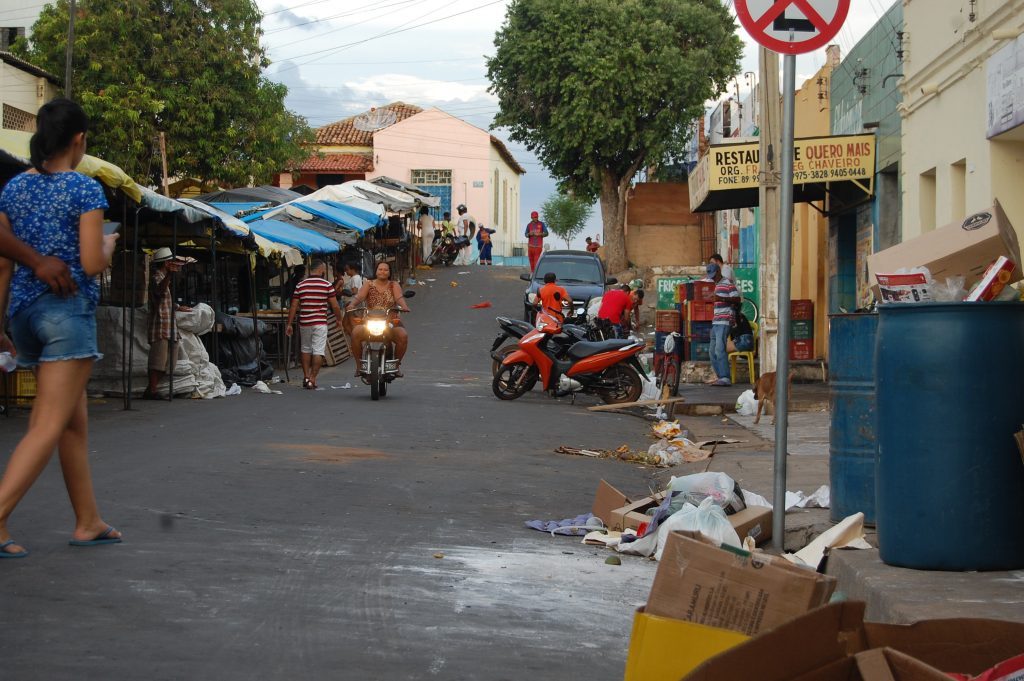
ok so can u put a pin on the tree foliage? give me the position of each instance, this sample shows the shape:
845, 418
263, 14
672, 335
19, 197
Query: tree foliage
598, 89
192, 69
566, 215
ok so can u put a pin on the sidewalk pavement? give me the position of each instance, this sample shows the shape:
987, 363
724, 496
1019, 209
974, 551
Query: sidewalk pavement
892, 594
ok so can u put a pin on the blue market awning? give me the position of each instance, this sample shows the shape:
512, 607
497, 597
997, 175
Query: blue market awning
305, 240
331, 213
236, 208
366, 217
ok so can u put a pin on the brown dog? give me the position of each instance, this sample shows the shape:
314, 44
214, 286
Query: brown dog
764, 391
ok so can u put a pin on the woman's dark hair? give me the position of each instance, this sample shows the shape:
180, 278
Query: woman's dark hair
424, 210
57, 123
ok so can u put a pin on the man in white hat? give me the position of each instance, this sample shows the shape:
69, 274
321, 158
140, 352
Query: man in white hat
161, 318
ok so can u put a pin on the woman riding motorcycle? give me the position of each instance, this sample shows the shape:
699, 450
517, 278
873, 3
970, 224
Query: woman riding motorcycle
380, 293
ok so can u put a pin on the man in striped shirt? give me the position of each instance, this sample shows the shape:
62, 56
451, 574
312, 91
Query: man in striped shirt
726, 295
310, 300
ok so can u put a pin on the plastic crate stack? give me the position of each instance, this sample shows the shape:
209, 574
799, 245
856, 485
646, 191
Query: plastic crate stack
697, 302
801, 343
666, 321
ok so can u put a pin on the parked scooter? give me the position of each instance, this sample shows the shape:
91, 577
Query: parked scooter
446, 249
378, 364
608, 368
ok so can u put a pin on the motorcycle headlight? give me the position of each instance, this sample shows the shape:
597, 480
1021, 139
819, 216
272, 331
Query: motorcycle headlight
376, 326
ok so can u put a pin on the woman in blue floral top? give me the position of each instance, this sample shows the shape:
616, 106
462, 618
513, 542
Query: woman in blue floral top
51, 221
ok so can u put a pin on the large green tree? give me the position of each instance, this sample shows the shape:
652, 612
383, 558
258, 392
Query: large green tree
192, 69
599, 89
566, 215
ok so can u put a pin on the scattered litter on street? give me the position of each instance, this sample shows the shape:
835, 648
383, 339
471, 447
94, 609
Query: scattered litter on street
233, 390
439, 555
613, 560
262, 387
819, 498
481, 306
580, 525
453, 284
623, 453
847, 534
347, 386
461, 273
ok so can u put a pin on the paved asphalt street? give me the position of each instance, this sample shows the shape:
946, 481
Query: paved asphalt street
294, 536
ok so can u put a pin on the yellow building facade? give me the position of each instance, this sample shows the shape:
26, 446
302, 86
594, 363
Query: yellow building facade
963, 109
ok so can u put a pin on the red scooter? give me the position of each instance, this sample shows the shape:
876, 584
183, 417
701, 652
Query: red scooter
608, 368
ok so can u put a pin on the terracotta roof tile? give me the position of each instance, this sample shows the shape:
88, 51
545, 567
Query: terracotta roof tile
507, 155
344, 133
338, 163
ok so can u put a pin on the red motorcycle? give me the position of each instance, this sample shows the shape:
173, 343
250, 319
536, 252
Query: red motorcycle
609, 369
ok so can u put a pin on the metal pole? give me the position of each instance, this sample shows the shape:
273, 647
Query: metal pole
785, 275
131, 322
70, 49
172, 344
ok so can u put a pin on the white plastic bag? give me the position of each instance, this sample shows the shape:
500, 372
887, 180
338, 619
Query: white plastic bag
709, 519
593, 307
746, 405
718, 486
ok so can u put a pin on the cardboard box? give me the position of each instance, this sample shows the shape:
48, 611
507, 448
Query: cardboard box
606, 500
632, 516
994, 280
664, 649
731, 589
833, 643
964, 248
753, 521
903, 288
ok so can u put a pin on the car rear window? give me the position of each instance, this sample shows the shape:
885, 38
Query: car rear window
570, 270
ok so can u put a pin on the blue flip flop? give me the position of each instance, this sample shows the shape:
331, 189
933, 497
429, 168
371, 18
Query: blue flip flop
102, 538
8, 554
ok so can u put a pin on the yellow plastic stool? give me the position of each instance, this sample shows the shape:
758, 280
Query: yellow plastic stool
747, 355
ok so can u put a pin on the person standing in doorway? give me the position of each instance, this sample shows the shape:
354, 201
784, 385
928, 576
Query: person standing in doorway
465, 226
51, 221
426, 225
535, 233
162, 334
312, 297
726, 296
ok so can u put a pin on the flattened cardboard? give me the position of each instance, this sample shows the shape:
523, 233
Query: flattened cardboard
732, 589
606, 500
632, 516
833, 643
753, 521
964, 248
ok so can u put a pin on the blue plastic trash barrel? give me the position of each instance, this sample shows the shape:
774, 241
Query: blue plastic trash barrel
853, 446
950, 398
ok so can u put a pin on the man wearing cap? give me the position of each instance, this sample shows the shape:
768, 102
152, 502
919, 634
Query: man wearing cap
465, 226
535, 233
726, 295
161, 318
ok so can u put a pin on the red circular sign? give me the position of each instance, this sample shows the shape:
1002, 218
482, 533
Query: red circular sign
792, 26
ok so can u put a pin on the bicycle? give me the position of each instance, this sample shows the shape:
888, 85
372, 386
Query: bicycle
668, 372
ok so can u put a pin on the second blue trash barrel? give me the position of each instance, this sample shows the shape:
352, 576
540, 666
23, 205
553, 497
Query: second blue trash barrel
950, 398
853, 447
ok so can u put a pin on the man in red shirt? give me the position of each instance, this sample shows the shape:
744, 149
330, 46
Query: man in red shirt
310, 300
548, 300
615, 306
535, 233
592, 246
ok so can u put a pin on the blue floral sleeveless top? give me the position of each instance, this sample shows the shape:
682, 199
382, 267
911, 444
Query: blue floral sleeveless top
44, 211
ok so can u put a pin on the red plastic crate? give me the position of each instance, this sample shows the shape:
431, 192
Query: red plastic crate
801, 349
667, 321
801, 310
681, 293
700, 312
704, 291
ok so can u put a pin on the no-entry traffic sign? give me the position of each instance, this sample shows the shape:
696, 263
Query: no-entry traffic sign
792, 26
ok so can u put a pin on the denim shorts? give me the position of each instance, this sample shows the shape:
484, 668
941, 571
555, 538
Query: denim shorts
52, 328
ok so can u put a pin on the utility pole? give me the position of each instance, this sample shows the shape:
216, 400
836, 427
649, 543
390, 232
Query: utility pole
70, 50
163, 163
768, 200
